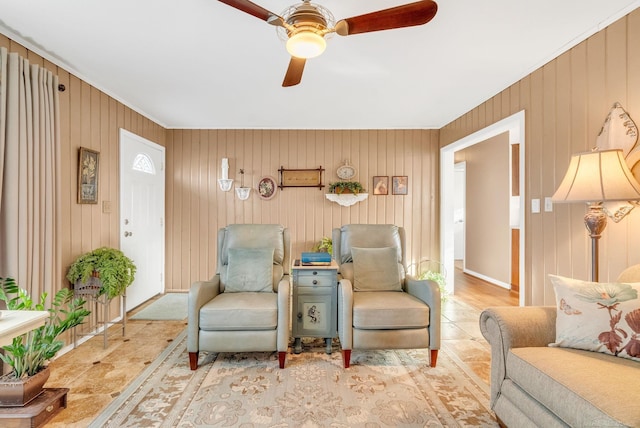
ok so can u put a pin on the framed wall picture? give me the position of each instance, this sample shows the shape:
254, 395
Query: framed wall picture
400, 185
88, 169
381, 185
267, 187
301, 177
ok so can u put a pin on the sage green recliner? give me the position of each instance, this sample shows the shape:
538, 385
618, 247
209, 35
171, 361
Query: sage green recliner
379, 305
245, 306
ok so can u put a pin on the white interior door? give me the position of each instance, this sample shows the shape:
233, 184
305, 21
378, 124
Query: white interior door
142, 182
459, 210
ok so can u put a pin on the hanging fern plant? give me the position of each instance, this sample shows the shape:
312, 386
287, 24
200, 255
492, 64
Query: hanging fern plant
115, 270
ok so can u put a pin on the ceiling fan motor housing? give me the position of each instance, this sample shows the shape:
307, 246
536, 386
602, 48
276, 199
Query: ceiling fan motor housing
306, 17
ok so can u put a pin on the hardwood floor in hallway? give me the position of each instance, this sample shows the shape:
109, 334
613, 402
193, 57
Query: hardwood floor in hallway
481, 294
96, 375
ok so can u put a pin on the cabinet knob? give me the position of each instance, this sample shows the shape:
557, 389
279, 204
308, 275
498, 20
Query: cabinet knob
299, 315
315, 282
315, 273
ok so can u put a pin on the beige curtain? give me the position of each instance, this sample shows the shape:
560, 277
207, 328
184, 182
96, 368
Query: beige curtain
29, 174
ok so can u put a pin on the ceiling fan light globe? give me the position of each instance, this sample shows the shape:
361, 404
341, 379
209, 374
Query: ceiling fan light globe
306, 45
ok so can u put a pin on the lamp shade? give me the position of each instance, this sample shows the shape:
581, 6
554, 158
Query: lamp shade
598, 176
306, 44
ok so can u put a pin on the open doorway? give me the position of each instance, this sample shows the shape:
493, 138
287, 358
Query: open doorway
515, 128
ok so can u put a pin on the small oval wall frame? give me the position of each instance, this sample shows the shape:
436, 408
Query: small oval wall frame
267, 187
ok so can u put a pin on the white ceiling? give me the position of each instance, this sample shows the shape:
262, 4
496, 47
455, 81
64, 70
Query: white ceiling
203, 64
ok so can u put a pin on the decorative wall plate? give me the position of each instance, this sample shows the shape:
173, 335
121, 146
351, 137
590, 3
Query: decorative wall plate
346, 171
267, 187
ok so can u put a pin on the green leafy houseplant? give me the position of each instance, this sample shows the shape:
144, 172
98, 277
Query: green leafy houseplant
324, 245
115, 270
28, 354
346, 186
433, 271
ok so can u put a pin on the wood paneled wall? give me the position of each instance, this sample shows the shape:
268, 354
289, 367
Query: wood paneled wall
89, 118
566, 102
197, 208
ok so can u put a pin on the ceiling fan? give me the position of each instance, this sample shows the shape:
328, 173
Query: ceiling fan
305, 25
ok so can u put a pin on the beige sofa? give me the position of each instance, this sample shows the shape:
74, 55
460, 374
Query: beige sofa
534, 385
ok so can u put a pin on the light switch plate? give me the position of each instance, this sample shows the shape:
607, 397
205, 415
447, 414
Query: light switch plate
535, 206
548, 204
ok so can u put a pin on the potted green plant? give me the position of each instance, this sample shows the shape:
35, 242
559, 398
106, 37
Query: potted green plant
114, 270
324, 245
434, 271
340, 187
29, 354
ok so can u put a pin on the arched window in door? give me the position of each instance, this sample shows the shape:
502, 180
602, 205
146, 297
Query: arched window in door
143, 163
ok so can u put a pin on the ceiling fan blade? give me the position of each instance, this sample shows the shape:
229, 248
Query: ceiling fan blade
255, 10
408, 15
294, 72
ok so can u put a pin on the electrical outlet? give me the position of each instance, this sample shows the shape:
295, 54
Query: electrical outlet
535, 206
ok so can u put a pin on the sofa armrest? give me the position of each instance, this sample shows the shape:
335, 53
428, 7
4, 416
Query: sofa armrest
429, 292
514, 327
200, 293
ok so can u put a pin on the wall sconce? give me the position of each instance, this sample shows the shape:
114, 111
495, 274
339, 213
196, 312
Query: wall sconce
224, 182
596, 177
242, 192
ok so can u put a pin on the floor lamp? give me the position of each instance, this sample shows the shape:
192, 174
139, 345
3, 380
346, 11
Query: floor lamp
595, 177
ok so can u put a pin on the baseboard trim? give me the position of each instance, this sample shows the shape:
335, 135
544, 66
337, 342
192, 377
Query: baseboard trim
487, 279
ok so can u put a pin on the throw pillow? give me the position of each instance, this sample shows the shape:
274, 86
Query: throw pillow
376, 269
249, 269
597, 316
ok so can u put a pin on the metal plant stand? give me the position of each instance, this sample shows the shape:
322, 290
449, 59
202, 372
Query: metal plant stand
98, 318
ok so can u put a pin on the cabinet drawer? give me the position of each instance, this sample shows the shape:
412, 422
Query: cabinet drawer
316, 291
316, 280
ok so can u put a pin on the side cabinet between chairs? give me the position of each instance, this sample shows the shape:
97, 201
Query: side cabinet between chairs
315, 303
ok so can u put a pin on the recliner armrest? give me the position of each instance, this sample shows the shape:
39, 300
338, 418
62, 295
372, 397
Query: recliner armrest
200, 293
284, 316
429, 292
345, 313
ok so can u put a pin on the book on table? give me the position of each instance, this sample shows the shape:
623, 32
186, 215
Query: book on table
315, 259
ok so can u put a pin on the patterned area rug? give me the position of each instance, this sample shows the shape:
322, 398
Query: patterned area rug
381, 389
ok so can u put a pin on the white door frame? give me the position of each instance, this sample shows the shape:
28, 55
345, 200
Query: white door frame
515, 126
127, 135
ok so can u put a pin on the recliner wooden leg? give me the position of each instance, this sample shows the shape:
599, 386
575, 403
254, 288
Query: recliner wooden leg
346, 358
434, 357
193, 360
282, 356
